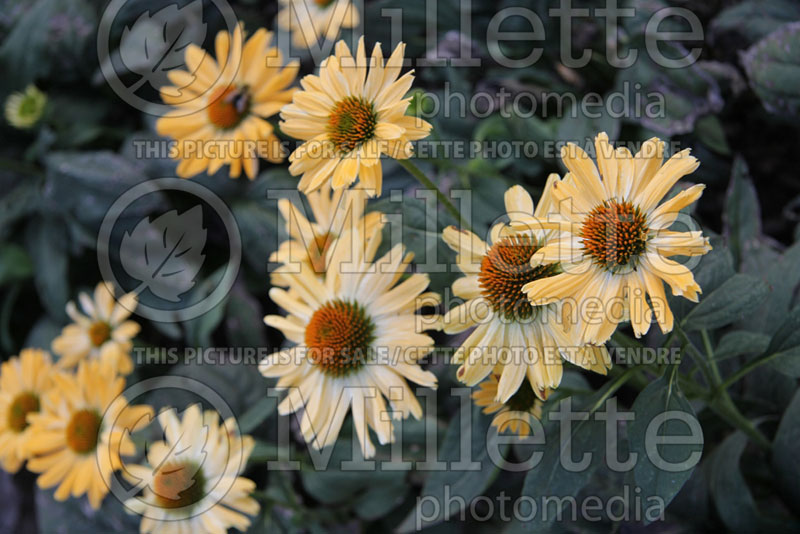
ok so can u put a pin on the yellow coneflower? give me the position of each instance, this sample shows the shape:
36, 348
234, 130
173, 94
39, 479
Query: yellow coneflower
102, 331
308, 20
220, 106
192, 482
357, 339
516, 414
23, 381
310, 241
612, 237
24, 109
512, 337
348, 118
83, 428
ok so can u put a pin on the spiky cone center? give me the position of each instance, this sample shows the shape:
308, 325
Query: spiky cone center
338, 337
352, 121
324, 3
23, 404
178, 485
227, 106
505, 269
615, 234
99, 333
83, 431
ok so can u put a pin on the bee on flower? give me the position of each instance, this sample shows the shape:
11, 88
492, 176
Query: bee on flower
221, 105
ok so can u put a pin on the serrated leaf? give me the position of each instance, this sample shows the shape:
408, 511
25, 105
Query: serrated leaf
164, 255
156, 42
773, 68
656, 399
728, 303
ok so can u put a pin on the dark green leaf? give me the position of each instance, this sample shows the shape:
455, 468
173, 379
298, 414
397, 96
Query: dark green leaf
15, 264
754, 19
659, 398
732, 497
460, 484
786, 345
773, 67
785, 460
47, 242
742, 214
728, 303
740, 342
257, 414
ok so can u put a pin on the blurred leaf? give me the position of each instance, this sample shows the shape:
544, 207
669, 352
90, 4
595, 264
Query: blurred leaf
754, 19
659, 398
257, 414
785, 460
710, 132
49, 39
381, 500
46, 240
742, 213
165, 254
42, 334
461, 485
244, 320
15, 264
786, 345
732, 498
19, 202
684, 94
75, 516
728, 303
783, 277
773, 67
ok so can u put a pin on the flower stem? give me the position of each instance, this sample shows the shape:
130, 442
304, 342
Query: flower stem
428, 183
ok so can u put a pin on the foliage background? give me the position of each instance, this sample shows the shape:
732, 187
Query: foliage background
736, 108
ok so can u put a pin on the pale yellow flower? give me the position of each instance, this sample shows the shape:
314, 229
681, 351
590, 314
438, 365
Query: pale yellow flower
24, 109
515, 415
191, 481
220, 106
23, 381
101, 330
511, 337
348, 118
310, 240
613, 240
357, 338
308, 20
83, 428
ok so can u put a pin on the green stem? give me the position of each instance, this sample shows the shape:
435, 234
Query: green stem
747, 368
718, 398
428, 183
